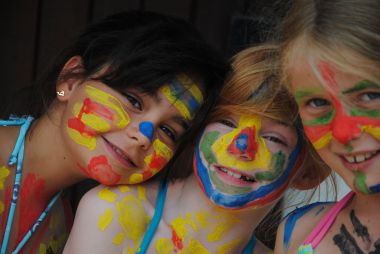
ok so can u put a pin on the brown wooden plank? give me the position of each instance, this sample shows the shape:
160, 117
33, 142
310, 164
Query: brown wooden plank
17, 46
104, 8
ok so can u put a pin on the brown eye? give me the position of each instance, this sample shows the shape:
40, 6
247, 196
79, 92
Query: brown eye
275, 140
169, 132
133, 101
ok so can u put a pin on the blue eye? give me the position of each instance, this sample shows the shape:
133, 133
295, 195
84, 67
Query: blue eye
317, 102
369, 96
169, 132
133, 101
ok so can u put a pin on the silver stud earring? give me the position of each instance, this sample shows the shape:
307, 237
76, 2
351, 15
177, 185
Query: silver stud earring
61, 93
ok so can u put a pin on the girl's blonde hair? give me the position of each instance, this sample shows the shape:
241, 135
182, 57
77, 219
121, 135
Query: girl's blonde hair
345, 33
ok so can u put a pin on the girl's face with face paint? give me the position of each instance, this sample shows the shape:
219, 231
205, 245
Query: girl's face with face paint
127, 137
341, 116
245, 160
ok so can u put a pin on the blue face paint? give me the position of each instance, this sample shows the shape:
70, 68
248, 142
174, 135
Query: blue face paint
247, 199
147, 129
374, 189
242, 142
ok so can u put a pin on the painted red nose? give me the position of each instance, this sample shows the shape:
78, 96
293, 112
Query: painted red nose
244, 145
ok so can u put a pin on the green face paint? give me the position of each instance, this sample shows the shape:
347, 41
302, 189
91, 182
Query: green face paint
361, 86
206, 144
359, 182
300, 94
277, 164
326, 119
228, 189
374, 113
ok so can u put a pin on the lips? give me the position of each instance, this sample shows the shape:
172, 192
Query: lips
119, 154
232, 176
359, 161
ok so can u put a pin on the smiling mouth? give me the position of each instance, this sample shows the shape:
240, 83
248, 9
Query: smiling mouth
119, 154
359, 158
236, 175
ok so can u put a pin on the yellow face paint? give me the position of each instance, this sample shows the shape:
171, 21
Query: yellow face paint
372, 130
123, 188
105, 219
111, 102
141, 193
180, 225
164, 246
228, 247
262, 155
84, 140
222, 228
118, 239
4, 173
154, 162
202, 218
107, 195
132, 217
323, 141
184, 94
95, 122
194, 246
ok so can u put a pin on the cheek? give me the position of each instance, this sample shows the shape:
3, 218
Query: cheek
154, 162
100, 170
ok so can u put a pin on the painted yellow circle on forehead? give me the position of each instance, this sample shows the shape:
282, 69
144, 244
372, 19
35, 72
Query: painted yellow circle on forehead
262, 155
184, 94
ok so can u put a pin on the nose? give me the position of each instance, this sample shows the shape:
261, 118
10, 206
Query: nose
345, 128
144, 135
244, 145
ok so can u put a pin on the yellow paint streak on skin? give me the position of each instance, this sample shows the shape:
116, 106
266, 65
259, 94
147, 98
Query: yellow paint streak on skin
129, 251
323, 141
228, 247
191, 87
132, 217
111, 102
87, 141
42, 249
118, 239
180, 225
202, 218
136, 178
226, 223
194, 246
141, 192
262, 155
373, 131
161, 149
107, 195
105, 219
164, 246
54, 220
123, 188
95, 122
4, 173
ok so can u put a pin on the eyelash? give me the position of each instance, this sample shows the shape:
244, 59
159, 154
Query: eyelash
314, 100
227, 123
134, 101
169, 132
275, 139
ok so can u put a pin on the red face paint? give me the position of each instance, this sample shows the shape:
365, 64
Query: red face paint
343, 127
177, 241
244, 144
100, 170
89, 107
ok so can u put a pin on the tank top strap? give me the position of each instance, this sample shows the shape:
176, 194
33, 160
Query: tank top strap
316, 236
160, 204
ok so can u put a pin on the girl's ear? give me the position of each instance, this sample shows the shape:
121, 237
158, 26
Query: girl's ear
65, 86
311, 173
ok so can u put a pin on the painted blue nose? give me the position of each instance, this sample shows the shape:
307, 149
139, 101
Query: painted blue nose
147, 129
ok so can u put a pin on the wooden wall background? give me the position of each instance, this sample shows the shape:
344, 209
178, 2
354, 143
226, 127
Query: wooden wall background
34, 31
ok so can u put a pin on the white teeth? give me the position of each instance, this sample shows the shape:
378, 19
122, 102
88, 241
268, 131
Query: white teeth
236, 175
359, 158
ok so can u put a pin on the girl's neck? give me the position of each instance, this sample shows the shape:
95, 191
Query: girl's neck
366, 205
46, 159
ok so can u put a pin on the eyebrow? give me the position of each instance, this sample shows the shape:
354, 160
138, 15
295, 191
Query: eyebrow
300, 94
362, 85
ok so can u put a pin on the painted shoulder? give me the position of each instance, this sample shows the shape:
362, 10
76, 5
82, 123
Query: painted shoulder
298, 224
